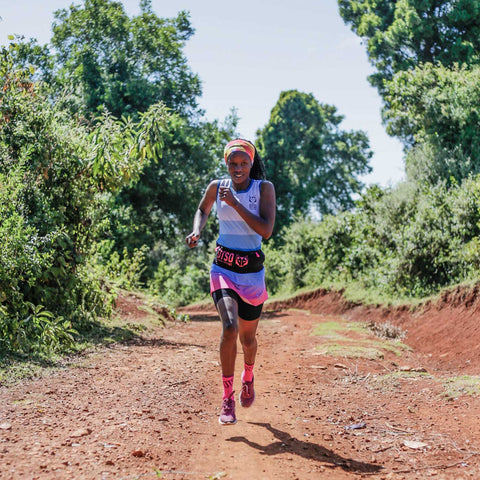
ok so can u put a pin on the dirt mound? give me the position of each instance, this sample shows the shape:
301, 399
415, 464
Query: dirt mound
448, 330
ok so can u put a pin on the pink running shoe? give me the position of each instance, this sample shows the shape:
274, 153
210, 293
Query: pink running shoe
227, 417
247, 395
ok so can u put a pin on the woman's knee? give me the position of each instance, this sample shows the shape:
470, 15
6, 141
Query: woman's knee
230, 329
248, 339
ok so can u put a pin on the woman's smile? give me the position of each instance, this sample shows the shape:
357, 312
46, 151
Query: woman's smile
239, 166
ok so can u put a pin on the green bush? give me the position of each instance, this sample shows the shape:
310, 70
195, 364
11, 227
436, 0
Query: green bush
57, 175
409, 241
180, 286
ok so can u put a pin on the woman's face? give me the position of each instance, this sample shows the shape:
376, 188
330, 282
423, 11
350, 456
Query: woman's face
239, 167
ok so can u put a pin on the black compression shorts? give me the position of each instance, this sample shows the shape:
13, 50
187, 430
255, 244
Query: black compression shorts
246, 311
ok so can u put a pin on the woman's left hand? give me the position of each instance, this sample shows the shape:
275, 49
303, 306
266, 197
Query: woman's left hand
227, 196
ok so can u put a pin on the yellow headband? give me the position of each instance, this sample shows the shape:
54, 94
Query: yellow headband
239, 145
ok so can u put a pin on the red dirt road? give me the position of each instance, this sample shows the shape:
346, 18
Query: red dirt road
149, 408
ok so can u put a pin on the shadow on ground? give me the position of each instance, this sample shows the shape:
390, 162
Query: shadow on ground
161, 342
311, 451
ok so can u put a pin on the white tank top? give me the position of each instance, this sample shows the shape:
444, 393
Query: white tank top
234, 231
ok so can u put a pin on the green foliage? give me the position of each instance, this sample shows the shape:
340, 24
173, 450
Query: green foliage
402, 34
106, 59
429, 164
179, 284
309, 159
119, 270
117, 67
406, 242
34, 329
122, 148
159, 208
275, 266
437, 109
426, 55
56, 176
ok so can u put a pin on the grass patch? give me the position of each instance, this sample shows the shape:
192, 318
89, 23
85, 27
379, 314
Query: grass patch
386, 330
336, 341
352, 351
282, 296
399, 374
15, 369
394, 346
465, 385
357, 292
334, 329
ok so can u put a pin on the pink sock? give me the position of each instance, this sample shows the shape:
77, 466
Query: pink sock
227, 386
247, 375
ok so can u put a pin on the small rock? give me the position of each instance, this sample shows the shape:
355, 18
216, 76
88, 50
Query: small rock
415, 445
405, 368
419, 370
356, 426
82, 432
341, 365
138, 453
5, 426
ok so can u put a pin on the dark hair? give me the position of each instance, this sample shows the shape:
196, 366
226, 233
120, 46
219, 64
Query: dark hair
258, 167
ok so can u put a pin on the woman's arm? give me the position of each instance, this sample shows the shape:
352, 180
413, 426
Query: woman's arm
262, 224
201, 215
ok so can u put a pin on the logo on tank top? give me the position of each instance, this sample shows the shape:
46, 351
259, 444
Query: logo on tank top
252, 202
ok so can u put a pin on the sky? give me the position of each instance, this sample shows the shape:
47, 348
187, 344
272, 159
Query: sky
246, 53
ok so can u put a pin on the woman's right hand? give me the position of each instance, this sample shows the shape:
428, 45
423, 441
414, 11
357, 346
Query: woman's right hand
192, 239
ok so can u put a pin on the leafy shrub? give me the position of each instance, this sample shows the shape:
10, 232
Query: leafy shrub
120, 270
56, 177
180, 286
409, 241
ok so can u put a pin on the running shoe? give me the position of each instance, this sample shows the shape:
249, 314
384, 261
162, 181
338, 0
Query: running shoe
227, 417
247, 395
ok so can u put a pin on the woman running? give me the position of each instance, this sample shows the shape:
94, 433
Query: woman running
246, 212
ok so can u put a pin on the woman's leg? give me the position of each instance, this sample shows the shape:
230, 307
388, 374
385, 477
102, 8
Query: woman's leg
227, 309
248, 339
247, 330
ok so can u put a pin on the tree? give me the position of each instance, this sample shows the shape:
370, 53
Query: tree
434, 101
310, 160
124, 64
435, 109
109, 60
401, 34
161, 205
56, 175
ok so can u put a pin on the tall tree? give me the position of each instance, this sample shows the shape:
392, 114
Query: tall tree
310, 160
400, 34
436, 110
56, 175
107, 59
162, 204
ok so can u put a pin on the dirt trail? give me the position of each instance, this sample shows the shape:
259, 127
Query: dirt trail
149, 408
